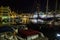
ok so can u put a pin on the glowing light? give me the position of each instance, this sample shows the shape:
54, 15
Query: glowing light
42, 16
25, 16
34, 20
3, 17
58, 34
25, 20
35, 16
58, 15
48, 16
39, 20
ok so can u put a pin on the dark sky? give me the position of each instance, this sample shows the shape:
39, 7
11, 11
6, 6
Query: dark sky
28, 5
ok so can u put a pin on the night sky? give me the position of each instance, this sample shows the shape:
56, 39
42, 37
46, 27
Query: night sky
28, 5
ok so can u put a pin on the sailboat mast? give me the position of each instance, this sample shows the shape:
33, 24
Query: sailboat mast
55, 10
47, 7
55, 13
56, 6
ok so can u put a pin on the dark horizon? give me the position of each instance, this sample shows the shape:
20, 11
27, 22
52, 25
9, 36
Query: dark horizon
28, 5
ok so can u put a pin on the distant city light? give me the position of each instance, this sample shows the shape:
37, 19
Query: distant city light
39, 20
35, 16
58, 15
42, 16
3, 17
25, 16
34, 20
49, 16
58, 34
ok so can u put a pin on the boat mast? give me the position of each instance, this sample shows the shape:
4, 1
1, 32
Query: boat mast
55, 10
55, 13
47, 7
56, 6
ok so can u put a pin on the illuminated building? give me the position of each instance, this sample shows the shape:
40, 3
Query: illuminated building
25, 17
4, 14
13, 15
